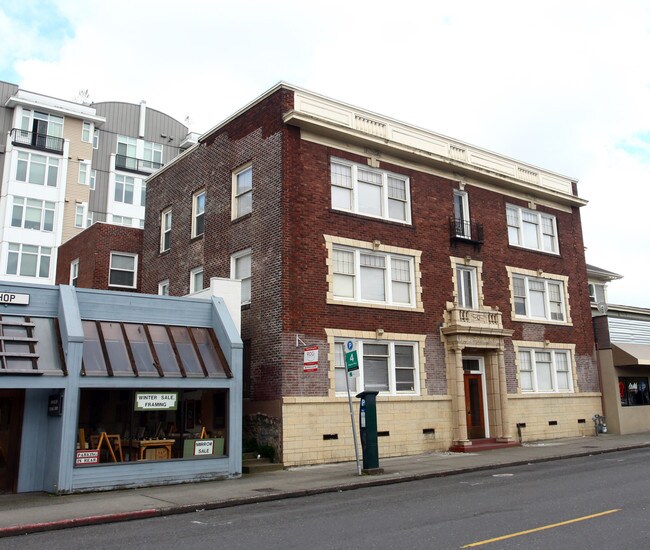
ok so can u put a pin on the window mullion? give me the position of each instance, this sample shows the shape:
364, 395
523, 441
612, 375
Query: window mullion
388, 278
392, 375
355, 189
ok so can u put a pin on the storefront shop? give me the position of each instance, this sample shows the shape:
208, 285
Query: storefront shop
106, 389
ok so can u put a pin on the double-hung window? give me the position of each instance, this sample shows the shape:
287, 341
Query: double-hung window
462, 225
84, 173
242, 192
241, 268
384, 366
198, 214
29, 260
74, 272
124, 186
37, 169
86, 132
370, 192
538, 298
123, 270
545, 370
466, 287
163, 288
196, 279
531, 229
165, 230
32, 214
80, 212
372, 277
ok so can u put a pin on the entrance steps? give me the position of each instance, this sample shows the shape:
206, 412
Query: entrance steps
485, 444
251, 464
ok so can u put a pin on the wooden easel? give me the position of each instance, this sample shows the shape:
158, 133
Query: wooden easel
104, 437
203, 434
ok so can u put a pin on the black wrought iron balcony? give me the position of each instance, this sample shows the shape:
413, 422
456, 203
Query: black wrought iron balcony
132, 164
33, 140
467, 231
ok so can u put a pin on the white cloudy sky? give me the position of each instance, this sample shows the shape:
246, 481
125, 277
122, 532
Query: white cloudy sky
564, 85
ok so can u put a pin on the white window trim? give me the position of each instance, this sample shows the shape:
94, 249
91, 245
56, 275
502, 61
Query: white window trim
563, 280
85, 180
162, 285
466, 229
233, 263
23, 217
135, 269
39, 257
84, 214
74, 271
414, 256
91, 130
553, 347
540, 234
477, 280
384, 192
163, 230
356, 381
235, 196
96, 139
195, 213
193, 273
50, 162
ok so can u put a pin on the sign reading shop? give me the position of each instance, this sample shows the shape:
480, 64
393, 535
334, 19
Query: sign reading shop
156, 401
13, 298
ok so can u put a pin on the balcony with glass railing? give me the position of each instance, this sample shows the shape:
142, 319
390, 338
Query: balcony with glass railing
34, 140
132, 164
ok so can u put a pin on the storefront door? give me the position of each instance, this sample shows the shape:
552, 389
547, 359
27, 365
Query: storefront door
474, 406
11, 423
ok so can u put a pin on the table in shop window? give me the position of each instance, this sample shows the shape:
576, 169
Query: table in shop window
143, 444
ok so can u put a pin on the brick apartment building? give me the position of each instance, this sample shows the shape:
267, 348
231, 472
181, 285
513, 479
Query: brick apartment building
457, 273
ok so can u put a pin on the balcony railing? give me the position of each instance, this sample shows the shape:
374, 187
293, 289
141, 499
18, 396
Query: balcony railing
132, 164
34, 140
461, 230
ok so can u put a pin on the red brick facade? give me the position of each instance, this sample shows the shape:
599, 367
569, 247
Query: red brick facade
292, 212
93, 249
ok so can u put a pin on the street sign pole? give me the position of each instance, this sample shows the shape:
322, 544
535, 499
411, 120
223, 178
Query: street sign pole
352, 363
354, 429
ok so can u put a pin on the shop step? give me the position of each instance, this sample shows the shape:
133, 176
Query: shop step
258, 465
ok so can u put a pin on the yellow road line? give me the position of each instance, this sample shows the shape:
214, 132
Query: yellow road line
520, 533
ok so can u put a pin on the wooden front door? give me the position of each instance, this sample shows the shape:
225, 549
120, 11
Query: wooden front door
11, 425
474, 406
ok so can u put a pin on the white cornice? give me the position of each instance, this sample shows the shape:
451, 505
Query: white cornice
54, 105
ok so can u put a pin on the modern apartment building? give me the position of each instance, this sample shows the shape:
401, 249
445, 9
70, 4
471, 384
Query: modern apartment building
456, 273
65, 165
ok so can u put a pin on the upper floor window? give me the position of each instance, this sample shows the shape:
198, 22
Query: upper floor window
123, 270
241, 268
545, 370
374, 277
32, 214
124, 186
121, 220
163, 288
531, 229
37, 169
462, 225
86, 132
198, 213
96, 139
242, 192
538, 298
466, 287
28, 260
165, 229
152, 155
80, 214
74, 272
370, 192
42, 123
92, 179
127, 146
196, 280
384, 366
84, 173
143, 194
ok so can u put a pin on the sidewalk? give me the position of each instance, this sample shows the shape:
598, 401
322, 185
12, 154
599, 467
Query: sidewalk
32, 512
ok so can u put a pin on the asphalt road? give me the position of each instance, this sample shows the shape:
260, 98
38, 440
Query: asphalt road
598, 502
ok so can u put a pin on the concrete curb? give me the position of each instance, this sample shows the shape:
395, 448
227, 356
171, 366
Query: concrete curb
372, 481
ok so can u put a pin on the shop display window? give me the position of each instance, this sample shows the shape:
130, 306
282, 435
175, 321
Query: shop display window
119, 426
634, 390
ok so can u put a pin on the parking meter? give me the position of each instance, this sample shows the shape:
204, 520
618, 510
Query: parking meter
368, 431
